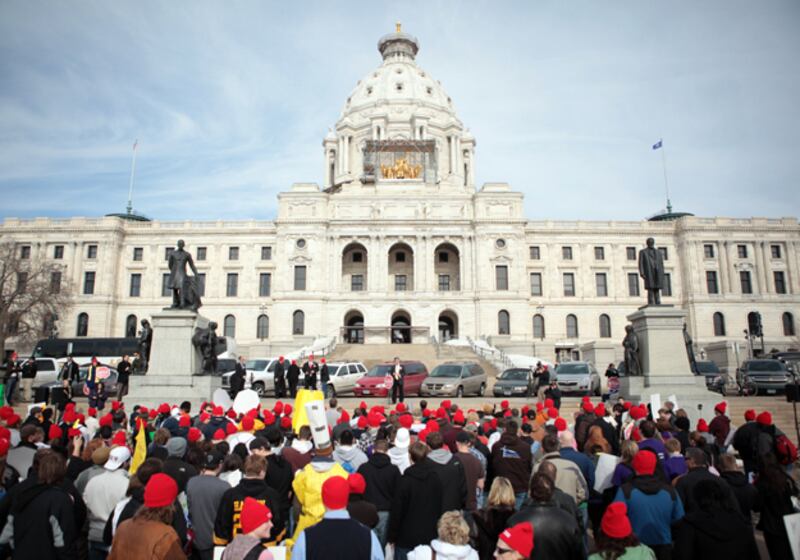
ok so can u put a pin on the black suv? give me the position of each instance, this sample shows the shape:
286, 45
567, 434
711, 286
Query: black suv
769, 376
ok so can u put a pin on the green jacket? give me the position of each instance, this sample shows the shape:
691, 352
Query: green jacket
641, 552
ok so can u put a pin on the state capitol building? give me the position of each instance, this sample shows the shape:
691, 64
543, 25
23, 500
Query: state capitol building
399, 245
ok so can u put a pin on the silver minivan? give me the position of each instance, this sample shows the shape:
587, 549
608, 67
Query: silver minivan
455, 379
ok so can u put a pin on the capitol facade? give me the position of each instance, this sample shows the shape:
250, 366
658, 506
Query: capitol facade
399, 245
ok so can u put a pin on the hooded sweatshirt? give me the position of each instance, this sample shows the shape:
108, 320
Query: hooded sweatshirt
511, 458
419, 491
350, 457
382, 478
722, 533
454, 480
444, 551
399, 458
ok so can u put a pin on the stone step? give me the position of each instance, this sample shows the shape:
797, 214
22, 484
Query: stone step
372, 354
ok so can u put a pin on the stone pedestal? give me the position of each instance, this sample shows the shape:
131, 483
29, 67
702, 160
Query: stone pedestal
173, 375
665, 363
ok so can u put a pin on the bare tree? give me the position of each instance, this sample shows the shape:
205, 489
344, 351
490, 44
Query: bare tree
33, 292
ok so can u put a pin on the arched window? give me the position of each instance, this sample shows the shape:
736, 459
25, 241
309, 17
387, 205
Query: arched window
262, 327
572, 326
83, 325
130, 326
503, 322
298, 322
788, 324
229, 328
719, 324
538, 326
605, 326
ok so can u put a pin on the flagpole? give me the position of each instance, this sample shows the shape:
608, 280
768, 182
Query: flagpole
129, 208
666, 184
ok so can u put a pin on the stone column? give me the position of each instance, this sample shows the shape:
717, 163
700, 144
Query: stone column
758, 269
733, 275
724, 270
792, 271
768, 287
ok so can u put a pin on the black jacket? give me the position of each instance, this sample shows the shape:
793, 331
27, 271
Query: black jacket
227, 524
70, 372
485, 526
382, 478
324, 374
279, 371
721, 534
180, 471
279, 478
688, 482
29, 370
123, 372
557, 534
745, 493
511, 458
454, 484
133, 505
238, 377
416, 507
293, 374
745, 441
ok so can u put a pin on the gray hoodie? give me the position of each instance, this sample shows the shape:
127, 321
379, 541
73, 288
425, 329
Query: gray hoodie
349, 454
441, 456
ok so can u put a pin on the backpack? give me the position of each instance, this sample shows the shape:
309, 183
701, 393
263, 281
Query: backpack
785, 450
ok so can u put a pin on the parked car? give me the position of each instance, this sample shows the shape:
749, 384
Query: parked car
225, 365
455, 379
77, 386
791, 359
709, 370
374, 382
260, 375
47, 370
769, 376
514, 382
581, 377
345, 375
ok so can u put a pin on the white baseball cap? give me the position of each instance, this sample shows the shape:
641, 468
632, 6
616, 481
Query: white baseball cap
117, 458
402, 439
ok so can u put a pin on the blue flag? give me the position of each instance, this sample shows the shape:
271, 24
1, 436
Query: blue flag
658, 144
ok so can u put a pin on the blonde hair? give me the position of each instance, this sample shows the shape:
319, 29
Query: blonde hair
501, 493
628, 450
672, 445
452, 528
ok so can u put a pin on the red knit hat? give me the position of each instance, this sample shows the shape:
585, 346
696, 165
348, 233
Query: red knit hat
548, 403
161, 491
120, 438
362, 422
73, 432
765, 418
69, 416
232, 414
446, 405
406, 420
561, 424
721, 407
441, 413
92, 411
286, 422
362, 405
335, 493
4, 445
587, 406
13, 420
205, 417
230, 428
524, 410
116, 405
426, 413
194, 435
254, 515
637, 413
627, 405
749, 415
218, 411
278, 408
5, 412
600, 409
702, 425
357, 483
486, 427
552, 412
539, 407
106, 420
248, 423
287, 410
644, 462
375, 419
185, 422
218, 435
153, 413
615, 521
401, 407
585, 398
458, 417
432, 426
493, 423
519, 538
163, 408
344, 418
423, 435
504, 404
54, 432
269, 418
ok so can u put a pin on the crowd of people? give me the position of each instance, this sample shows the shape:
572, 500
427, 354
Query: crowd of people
598, 480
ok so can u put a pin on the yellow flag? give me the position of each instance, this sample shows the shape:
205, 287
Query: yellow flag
140, 452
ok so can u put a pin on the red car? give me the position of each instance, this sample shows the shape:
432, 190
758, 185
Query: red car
377, 381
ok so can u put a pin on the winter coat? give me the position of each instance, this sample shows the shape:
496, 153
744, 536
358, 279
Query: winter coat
720, 427
454, 481
350, 457
745, 493
227, 524
640, 552
154, 540
129, 509
511, 458
653, 506
774, 505
745, 441
102, 494
718, 534
382, 478
686, 489
569, 477
307, 487
279, 478
416, 507
444, 551
487, 524
556, 533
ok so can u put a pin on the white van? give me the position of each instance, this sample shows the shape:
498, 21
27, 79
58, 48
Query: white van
260, 375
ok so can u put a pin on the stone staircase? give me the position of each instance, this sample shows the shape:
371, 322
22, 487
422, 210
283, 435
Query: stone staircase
428, 354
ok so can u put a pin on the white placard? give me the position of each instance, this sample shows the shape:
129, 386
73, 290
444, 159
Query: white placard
604, 471
792, 522
655, 404
245, 401
221, 398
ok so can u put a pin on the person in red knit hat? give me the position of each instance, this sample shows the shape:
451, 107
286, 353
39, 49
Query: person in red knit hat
515, 543
745, 441
256, 521
616, 539
149, 534
720, 426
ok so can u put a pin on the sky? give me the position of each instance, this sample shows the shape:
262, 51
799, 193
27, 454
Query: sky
230, 101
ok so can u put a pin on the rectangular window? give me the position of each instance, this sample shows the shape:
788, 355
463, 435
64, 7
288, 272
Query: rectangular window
233, 253
667, 291
357, 283
711, 282
535, 253
55, 282
444, 257
266, 253
601, 281
708, 251
201, 253
399, 282
136, 285
232, 285
501, 277
138, 253
300, 277
566, 253
780, 282
25, 252
569, 284
358, 256
58, 252
599, 254
536, 283
744, 280
444, 282
741, 250
630, 253
166, 291
664, 253
22, 282
201, 283
633, 284
775, 250
91, 252
264, 284
88, 283
168, 252
400, 256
